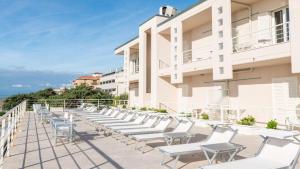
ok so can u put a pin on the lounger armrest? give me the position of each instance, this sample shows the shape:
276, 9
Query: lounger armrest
170, 137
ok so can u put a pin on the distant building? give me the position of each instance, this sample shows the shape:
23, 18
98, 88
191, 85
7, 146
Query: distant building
92, 80
60, 90
113, 82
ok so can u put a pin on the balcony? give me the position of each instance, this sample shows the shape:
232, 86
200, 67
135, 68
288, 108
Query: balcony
197, 59
266, 44
262, 38
164, 68
134, 75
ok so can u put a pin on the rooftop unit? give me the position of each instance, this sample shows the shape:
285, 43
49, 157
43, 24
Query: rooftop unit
168, 11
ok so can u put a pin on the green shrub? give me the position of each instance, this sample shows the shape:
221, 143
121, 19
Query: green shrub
143, 109
272, 124
133, 108
204, 116
249, 121
161, 110
2, 113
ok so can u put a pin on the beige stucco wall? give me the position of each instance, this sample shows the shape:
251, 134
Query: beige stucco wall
255, 95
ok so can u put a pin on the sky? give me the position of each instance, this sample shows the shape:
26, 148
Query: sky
47, 43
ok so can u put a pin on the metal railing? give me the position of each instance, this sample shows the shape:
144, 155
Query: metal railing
62, 104
135, 70
262, 38
197, 54
163, 64
9, 123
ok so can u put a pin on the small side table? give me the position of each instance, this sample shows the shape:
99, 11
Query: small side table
221, 148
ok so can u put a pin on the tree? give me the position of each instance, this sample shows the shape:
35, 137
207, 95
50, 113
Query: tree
80, 92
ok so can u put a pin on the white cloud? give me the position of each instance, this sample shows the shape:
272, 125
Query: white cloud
20, 86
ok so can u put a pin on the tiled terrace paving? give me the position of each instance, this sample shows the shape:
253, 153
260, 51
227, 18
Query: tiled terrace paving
34, 148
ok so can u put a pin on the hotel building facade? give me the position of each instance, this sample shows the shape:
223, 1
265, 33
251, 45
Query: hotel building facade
242, 55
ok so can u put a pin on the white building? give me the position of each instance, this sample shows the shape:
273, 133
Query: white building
113, 82
240, 53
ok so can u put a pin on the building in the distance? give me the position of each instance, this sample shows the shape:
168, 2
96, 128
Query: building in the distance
92, 80
113, 82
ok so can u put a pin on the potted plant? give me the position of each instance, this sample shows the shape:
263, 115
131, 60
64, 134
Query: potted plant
248, 121
272, 124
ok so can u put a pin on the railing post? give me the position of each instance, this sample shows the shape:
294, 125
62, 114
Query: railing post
8, 135
2, 143
98, 103
12, 125
222, 113
64, 105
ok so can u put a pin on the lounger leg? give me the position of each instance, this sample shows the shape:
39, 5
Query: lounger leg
210, 160
175, 162
163, 163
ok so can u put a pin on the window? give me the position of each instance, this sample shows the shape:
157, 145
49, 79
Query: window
175, 48
220, 22
221, 46
220, 34
175, 39
175, 30
175, 58
220, 10
221, 58
175, 66
221, 70
175, 76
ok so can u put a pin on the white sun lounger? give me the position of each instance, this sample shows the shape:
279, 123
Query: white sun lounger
180, 131
139, 120
138, 123
128, 118
102, 112
277, 152
160, 127
219, 135
111, 115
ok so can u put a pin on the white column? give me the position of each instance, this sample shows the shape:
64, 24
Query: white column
143, 67
294, 8
221, 29
176, 53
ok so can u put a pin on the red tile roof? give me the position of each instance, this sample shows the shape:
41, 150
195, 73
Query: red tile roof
88, 78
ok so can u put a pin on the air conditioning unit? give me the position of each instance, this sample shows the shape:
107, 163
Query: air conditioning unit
167, 11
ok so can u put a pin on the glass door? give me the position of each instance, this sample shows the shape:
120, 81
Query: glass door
281, 25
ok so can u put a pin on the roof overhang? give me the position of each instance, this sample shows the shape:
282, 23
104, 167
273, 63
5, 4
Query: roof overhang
131, 43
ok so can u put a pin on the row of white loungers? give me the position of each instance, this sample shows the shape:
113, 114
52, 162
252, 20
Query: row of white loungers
278, 150
84, 111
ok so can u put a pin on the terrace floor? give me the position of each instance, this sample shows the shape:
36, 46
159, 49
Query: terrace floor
34, 148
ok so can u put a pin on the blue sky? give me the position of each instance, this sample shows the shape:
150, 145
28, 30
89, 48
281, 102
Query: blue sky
67, 37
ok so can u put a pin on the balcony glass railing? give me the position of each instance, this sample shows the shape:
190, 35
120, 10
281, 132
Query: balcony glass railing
197, 54
262, 38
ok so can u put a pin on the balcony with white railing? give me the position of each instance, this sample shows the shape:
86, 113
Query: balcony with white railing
134, 70
197, 59
265, 44
164, 68
262, 38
